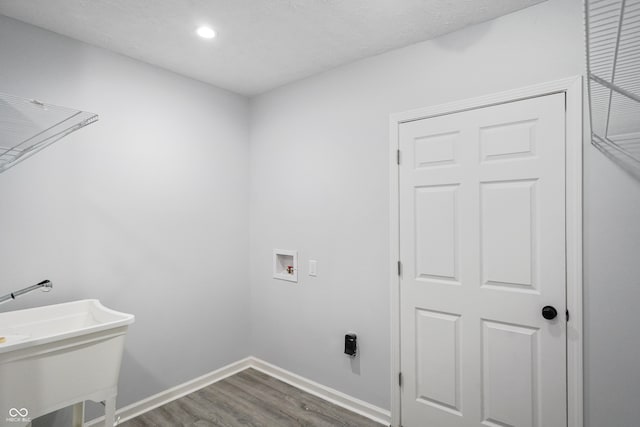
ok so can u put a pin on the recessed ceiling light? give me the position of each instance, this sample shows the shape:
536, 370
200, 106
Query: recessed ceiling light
206, 32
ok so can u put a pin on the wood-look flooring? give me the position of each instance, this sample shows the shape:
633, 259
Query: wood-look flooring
250, 398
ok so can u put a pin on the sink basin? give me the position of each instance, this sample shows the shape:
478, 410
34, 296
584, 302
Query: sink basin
41, 325
59, 355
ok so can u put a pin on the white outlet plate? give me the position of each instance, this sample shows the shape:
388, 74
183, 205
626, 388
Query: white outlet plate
313, 267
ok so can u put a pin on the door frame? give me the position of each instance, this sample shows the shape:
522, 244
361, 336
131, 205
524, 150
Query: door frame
572, 87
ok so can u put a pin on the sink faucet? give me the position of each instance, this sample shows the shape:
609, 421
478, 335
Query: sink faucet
45, 285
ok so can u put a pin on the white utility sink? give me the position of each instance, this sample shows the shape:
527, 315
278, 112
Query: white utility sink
59, 355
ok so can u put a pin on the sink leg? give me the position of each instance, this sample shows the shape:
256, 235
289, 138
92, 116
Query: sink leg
110, 412
78, 415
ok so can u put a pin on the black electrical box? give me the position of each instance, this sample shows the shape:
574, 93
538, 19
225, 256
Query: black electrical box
350, 344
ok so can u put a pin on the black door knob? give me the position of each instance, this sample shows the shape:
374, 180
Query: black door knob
549, 312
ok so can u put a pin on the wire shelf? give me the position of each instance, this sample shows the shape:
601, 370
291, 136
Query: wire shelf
27, 126
613, 66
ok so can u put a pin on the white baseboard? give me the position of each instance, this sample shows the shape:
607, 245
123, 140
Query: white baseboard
164, 397
336, 397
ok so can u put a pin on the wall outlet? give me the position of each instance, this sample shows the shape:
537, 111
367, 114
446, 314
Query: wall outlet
350, 344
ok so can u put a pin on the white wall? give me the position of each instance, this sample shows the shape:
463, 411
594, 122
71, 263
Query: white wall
146, 210
612, 294
319, 184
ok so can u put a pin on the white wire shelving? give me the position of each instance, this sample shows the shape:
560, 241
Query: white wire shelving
27, 126
613, 66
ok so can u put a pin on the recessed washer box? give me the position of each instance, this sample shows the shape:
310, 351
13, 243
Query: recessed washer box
285, 265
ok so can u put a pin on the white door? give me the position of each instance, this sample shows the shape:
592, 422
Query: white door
482, 244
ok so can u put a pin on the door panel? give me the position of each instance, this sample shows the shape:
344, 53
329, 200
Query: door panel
437, 233
438, 359
509, 367
482, 241
507, 233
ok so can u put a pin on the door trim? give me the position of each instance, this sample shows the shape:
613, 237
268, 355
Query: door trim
572, 87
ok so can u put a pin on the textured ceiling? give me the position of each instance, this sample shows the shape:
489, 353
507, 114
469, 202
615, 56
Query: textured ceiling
261, 44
